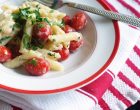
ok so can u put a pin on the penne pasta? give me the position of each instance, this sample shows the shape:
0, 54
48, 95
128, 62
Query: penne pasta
52, 46
56, 66
20, 60
57, 30
65, 37
50, 54
26, 39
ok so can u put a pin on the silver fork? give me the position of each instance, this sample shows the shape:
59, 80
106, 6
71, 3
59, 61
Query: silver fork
134, 21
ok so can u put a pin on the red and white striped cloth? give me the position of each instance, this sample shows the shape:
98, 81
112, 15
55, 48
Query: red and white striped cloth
122, 93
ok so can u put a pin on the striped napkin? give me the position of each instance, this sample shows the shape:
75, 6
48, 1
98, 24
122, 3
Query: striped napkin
114, 90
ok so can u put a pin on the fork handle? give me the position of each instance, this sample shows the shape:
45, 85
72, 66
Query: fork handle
134, 21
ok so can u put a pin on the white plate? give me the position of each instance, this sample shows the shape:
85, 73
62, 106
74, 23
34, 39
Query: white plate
87, 64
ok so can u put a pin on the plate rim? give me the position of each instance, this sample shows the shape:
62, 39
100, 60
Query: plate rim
86, 81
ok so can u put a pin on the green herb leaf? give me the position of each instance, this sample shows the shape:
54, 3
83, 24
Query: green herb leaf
33, 62
43, 20
15, 16
26, 41
53, 40
51, 54
0, 30
25, 13
61, 24
4, 39
33, 22
15, 26
51, 11
33, 47
40, 25
37, 13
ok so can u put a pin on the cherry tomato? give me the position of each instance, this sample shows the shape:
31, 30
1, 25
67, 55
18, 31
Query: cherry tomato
41, 31
5, 54
67, 20
79, 20
37, 66
68, 29
74, 45
64, 53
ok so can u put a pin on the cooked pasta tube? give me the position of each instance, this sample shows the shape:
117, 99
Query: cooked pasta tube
52, 46
56, 66
65, 37
57, 30
26, 39
49, 54
20, 60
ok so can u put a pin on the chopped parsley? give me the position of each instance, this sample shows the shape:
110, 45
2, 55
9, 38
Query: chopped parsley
53, 40
33, 62
26, 41
40, 25
51, 54
34, 47
43, 20
15, 26
33, 22
26, 13
4, 39
0, 30
51, 11
61, 24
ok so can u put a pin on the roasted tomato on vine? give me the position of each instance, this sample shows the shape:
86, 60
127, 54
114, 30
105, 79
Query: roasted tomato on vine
37, 66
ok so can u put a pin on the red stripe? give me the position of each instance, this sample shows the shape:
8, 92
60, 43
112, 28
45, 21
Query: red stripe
116, 93
87, 95
111, 73
137, 50
98, 87
133, 10
111, 6
133, 66
103, 104
127, 81
137, 1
